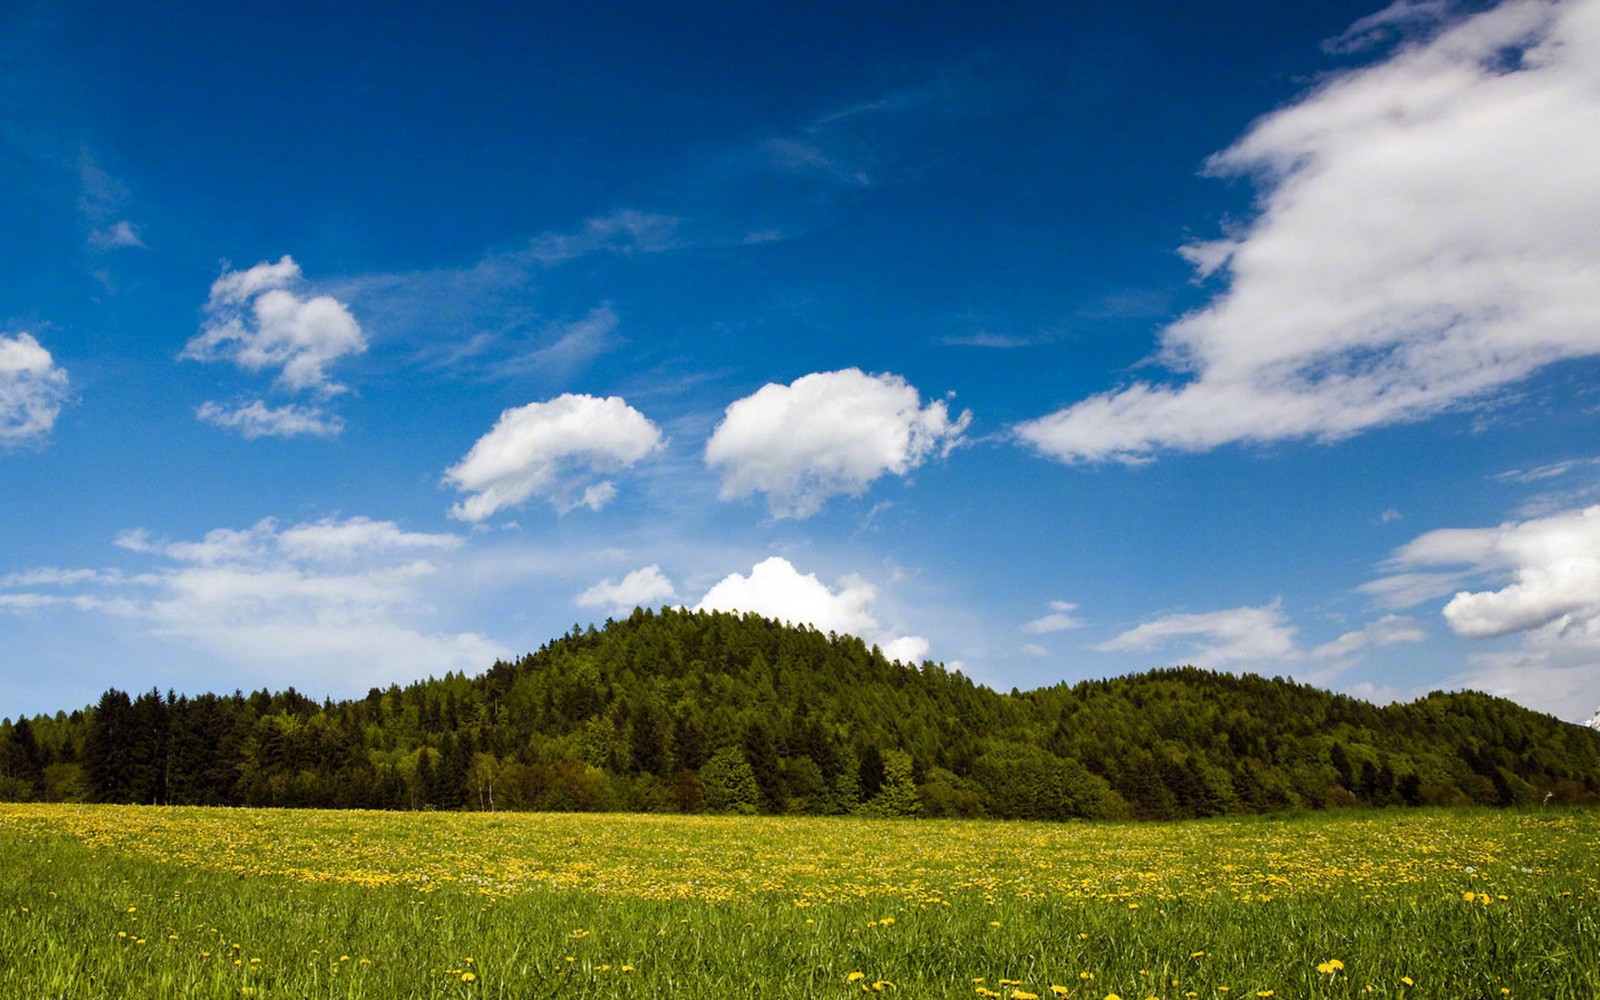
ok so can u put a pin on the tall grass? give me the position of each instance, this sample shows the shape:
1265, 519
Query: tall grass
1216, 909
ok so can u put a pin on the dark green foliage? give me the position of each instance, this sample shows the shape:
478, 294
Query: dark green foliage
688, 712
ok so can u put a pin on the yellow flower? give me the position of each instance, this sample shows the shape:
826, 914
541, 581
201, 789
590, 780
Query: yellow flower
1023, 995
855, 977
1407, 980
1060, 991
469, 977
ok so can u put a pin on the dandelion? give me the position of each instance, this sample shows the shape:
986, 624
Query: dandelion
469, 977
855, 977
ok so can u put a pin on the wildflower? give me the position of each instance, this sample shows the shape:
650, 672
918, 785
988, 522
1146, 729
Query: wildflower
855, 977
469, 977
1060, 991
1023, 995
1407, 981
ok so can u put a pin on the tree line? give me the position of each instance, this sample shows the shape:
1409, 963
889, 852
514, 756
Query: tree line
691, 712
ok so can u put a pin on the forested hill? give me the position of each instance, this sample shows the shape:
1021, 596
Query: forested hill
682, 711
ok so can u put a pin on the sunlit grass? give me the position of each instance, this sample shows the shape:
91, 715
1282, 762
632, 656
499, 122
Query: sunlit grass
127, 901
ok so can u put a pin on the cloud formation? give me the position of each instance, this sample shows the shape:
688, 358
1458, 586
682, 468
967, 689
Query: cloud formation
33, 388
622, 232
340, 597
775, 589
558, 450
257, 419
1217, 638
258, 319
1547, 568
826, 434
642, 588
1536, 581
1425, 238
1059, 619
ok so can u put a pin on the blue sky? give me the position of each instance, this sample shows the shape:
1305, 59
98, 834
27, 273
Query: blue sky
1049, 341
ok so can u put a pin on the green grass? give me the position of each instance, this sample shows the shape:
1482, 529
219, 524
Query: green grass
72, 916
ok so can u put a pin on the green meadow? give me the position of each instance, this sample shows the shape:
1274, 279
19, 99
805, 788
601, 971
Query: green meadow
126, 901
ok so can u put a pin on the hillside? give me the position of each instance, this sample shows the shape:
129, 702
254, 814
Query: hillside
680, 711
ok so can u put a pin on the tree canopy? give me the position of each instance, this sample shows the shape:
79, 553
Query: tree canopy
685, 711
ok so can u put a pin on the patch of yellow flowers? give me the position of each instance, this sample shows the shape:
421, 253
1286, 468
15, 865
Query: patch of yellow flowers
810, 861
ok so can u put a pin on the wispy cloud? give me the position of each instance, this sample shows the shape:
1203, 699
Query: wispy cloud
1424, 240
342, 597
256, 419
1060, 619
620, 232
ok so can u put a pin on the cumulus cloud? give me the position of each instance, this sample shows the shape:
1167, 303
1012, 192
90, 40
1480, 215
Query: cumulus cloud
1216, 638
775, 589
826, 434
335, 601
1537, 581
556, 450
642, 588
1547, 568
258, 319
1425, 238
1059, 619
33, 388
257, 419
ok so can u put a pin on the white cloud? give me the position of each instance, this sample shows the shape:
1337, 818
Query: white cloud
570, 346
1059, 619
621, 232
1237, 635
826, 434
1549, 568
1034, 649
334, 602
775, 589
642, 588
257, 319
118, 234
1386, 631
256, 419
1563, 680
33, 388
1425, 238
552, 450
1538, 580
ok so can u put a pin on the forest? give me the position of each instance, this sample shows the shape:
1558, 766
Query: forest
679, 711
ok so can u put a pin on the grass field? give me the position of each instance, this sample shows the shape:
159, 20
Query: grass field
114, 901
